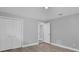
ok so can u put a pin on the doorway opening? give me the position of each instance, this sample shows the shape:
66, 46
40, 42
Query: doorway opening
44, 32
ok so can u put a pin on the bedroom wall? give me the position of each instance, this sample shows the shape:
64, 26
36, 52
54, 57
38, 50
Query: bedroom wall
30, 31
30, 28
65, 31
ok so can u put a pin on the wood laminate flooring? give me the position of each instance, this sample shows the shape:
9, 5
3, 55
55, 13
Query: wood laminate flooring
43, 47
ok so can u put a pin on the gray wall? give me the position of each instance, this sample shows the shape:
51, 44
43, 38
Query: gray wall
30, 28
65, 31
30, 31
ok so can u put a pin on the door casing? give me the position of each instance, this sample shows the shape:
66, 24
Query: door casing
45, 35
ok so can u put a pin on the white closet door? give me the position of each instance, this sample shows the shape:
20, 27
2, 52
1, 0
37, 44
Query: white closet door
13, 32
4, 42
10, 33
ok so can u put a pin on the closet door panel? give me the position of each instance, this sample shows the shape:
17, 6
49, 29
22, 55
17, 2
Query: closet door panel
13, 32
5, 43
10, 32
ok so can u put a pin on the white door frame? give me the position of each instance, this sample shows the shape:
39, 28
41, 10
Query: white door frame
39, 32
46, 32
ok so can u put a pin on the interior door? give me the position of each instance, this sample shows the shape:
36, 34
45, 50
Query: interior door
4, 42
47, 32
10, 32
14, 33
40, 32
44, 32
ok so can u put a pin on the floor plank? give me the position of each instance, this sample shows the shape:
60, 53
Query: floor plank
43, 47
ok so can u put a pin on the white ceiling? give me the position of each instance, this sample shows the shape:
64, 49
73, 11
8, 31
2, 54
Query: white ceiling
39, 13
56, 12
32, 12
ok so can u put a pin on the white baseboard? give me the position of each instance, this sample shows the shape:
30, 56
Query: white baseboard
77, 50
32, 44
